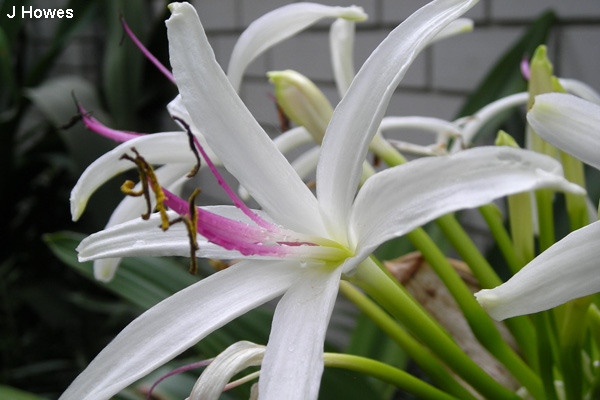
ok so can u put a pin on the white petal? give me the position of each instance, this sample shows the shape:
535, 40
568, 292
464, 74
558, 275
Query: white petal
569, 123
276, 26
580, 89
231, 131
400, 199
132, 207
341, 44
442, 128
179, 322
292, 138
293, 362
139, 238
234, 359
480, 118
287, 141
567, 270
358, 115
461, 25
157, 148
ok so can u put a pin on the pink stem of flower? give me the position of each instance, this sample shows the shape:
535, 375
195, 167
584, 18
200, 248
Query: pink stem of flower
236, 200
178, 371
148, 55
94, 125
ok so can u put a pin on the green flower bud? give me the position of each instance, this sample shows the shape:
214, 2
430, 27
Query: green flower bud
302, 102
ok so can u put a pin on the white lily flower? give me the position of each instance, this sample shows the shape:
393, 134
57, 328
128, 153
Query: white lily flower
262, 34
569, 269
311, 242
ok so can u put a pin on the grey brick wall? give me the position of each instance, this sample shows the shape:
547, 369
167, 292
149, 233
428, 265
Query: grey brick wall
439, 80
436, 84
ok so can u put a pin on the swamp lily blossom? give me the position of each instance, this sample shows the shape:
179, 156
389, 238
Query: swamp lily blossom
570, 269
299, 246
262, 34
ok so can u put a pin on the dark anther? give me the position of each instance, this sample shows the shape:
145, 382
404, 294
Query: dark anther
190, 135
191, 224
149, 182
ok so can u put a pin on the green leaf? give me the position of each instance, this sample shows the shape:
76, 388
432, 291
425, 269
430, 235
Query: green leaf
147, 281
7, 392
369, 341
123, 60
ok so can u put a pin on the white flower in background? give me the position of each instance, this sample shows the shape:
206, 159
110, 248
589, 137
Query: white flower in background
300, 245
571, 268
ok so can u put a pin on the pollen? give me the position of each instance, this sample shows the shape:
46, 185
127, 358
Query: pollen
149, 182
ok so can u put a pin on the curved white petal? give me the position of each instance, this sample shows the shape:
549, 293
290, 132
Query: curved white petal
179, 322
475, 122
567, 270
292, 138
580, 89
341, 44
359, 113
157, 148
278, 25
140, 238
234, 359
441, 128
293, 362
130, 208
400, 199
460, 25
569, 123
231, 131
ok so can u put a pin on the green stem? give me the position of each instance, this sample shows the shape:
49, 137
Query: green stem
520, 215
520, 327
386, 292
576, 206
572, 337
545, 218
494, 220
462, 243
387, 373
415, 350
545, 354
481, 324
594, 323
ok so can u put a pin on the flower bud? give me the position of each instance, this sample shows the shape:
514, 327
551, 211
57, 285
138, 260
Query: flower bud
302, 102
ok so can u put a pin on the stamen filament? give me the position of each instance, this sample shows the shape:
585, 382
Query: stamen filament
176, 371
96, 126
236, 200
147, 53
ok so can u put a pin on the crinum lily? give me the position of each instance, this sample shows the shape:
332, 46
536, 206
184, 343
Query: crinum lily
569, 269
300, 245
261, 35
